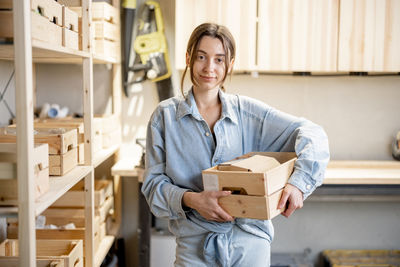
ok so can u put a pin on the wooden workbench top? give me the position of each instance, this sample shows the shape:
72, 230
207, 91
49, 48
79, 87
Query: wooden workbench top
338, 171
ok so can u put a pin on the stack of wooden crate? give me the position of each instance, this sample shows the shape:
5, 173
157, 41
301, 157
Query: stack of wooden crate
51, 23
106, 24
69, 209
8, 172
63, 154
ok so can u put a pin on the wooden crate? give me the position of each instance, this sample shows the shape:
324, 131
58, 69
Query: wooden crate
106, 30
62, 234
252, 183
101, 11
49, 9
9, 185
75, 197
69, 251
70, 29
356, 258
14, 262
6, 4
63, 163
42, 28
255, 207
106, 48
111, 130
76, 215
60, 141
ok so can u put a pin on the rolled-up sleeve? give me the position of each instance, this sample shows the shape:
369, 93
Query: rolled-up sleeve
164, 198
284, 132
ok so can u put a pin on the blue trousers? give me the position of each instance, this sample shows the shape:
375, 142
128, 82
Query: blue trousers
235, 249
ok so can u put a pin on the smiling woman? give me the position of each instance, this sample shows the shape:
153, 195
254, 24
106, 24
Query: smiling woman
206, 127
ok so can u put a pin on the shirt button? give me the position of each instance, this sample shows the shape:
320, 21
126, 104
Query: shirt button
207, 133
308, 187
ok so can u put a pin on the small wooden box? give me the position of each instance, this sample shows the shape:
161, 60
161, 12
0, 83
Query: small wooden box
70, 28
75, 197
255, 207
111, 129
252, 183
70, 39
106, 30
42, 28
49, 9
9, 185
69, 251
106, 48
101, 11
62, 234
63, 163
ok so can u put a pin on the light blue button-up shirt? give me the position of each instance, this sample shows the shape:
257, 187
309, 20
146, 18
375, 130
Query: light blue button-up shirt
179, 145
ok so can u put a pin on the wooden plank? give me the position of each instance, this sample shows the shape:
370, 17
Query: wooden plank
23, 87
105, 246
369, 36
297, 35
14, 262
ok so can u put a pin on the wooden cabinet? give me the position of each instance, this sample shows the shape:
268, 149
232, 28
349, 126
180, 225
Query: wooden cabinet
297, 35
369, 35
239, 16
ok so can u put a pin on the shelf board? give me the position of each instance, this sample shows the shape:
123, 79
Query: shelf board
46, 53
98, 59
59, 185
363, 172
103, 249
102, 155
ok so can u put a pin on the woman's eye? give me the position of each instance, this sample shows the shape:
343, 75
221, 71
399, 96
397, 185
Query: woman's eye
219, 60
201, 57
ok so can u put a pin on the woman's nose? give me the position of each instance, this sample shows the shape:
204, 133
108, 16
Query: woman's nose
210, 65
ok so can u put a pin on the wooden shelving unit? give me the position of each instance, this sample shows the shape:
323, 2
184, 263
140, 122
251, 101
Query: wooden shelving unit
24, 52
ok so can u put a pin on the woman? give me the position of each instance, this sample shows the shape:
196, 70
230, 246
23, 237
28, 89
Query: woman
207, 127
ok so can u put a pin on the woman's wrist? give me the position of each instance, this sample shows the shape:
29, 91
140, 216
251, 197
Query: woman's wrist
187, 199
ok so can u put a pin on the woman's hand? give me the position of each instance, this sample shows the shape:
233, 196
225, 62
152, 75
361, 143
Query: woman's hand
292, 199
206, 203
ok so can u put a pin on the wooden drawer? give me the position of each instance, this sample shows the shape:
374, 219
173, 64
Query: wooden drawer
75, 197
255, 207
42, 28
69, 251
9, 185
49, 9
63, 163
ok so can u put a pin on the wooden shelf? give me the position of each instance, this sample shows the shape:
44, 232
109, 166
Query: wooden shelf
97, 59
46, 53
363, 172
127, 168
59, 185
102, 155
103, 249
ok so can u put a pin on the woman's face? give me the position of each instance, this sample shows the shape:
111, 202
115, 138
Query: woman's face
209, 64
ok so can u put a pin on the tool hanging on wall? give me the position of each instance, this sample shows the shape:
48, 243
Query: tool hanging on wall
151, 57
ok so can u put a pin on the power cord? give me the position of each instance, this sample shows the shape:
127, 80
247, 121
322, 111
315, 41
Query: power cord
2, 99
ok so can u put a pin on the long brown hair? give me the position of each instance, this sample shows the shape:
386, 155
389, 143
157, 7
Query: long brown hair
215, 31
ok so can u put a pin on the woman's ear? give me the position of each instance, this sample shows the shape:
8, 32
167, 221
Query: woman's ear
187, 59
231, 65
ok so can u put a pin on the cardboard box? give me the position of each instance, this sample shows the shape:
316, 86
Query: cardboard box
8, 170
256, 181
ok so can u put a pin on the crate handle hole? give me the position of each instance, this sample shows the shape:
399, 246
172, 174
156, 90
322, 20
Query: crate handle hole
71, 27
69, 147
40, 10
76, 262
235, 190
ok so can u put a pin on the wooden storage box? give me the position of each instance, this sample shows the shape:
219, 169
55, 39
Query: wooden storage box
62, 234
42, 28
70, 29
49, 9
63, 155
100, 11
106, 30
106, 48
111, 129
8, 173
255, 207
69, 251
256, 181
75, 197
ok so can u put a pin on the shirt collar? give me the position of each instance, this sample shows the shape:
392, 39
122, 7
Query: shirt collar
189, 107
